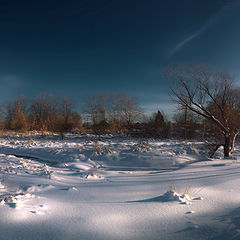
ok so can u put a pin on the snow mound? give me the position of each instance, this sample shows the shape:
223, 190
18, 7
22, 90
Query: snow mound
1, 186
174, 196
14, 200
72, 189
93, 175
38, 188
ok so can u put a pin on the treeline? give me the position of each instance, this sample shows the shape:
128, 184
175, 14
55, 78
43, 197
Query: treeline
42, 113
100, 114
121, 114
208, 107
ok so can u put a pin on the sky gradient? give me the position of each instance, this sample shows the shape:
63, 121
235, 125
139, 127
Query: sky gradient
81, 47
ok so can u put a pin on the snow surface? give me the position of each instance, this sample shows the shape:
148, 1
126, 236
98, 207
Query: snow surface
116, 188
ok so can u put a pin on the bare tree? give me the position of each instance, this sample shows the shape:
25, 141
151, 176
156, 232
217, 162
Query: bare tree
65, 111
130, 110
210, 95
112, 108
109, 112
96, 107
66, 118
115, 108
16, 114
43, 112
187, 124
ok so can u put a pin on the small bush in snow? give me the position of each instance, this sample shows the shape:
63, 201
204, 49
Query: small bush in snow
143, 146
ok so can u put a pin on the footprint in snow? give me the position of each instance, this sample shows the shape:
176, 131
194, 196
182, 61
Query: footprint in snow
40, 210
198, 198
43, 206
190, 212
70, 189
37, 212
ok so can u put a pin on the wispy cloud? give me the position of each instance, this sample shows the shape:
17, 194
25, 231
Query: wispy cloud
184, 42
210, 22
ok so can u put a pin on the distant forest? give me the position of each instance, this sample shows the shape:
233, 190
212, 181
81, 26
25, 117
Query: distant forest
101, 114
208, 108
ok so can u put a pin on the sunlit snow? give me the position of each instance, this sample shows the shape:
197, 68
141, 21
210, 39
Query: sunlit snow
116, 188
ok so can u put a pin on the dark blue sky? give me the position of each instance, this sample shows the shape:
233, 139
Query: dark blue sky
81, 47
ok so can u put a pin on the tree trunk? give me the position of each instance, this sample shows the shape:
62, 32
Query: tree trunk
226, 145
185, 123
233, 142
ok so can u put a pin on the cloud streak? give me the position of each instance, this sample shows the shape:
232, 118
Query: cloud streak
212, 21
184, 42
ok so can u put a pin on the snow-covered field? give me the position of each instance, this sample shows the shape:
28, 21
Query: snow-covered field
116, 188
